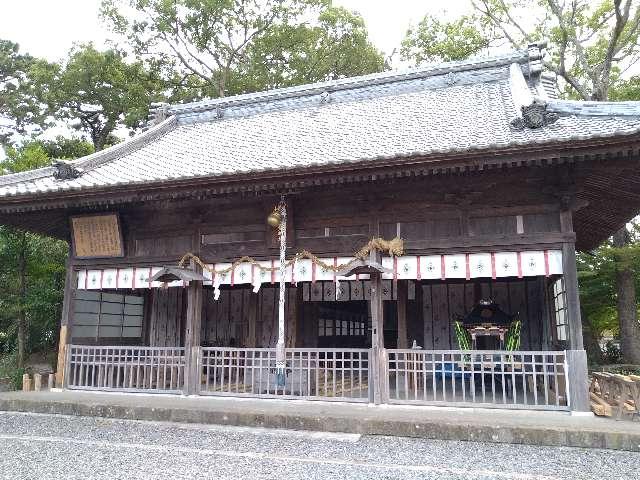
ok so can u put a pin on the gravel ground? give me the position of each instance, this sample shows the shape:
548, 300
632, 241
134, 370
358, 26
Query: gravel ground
60, 447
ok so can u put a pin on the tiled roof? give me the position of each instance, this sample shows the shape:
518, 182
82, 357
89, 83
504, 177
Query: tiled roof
436, 109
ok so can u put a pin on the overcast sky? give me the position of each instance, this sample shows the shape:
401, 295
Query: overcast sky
48, 28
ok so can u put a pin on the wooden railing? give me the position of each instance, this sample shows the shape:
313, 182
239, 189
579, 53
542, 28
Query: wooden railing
311, 373
521, 379
125, 369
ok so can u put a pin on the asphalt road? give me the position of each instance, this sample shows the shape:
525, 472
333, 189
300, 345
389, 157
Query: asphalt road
59, 447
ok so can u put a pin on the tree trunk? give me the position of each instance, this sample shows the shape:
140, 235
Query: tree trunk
591, 345
22, 293
626, 304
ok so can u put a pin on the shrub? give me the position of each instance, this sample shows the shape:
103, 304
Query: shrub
10, 372
611, 353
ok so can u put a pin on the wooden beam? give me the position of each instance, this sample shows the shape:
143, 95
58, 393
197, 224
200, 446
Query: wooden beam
403, 295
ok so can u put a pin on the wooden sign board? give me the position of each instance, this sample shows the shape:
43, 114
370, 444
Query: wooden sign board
97, 236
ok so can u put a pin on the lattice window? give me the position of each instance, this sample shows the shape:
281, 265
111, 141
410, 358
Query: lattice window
559, 303
107, 315
328, 327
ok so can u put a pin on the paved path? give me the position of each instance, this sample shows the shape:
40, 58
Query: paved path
51, 446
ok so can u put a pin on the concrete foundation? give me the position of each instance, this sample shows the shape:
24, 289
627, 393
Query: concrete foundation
484, 425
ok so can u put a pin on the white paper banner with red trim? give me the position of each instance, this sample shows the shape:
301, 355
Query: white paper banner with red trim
408, 267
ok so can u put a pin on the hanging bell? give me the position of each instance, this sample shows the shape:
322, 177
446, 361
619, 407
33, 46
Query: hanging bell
274, 218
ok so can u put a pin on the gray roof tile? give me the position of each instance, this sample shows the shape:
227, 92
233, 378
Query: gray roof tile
444, 108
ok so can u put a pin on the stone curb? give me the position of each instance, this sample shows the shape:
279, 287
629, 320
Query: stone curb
527, 435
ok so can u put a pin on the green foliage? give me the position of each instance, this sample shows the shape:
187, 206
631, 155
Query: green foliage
10, 372
336, 47
215, 48
36, 292
590, 41
97, 91
611, 353
435, 40
19, 107
626, 89
597, 280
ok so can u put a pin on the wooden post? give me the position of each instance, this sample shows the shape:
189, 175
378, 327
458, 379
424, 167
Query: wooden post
570, 274
37, 382
577, 376
26, 382
192, 336
51, 381
66, 321
577, 379
403, 294
377, 333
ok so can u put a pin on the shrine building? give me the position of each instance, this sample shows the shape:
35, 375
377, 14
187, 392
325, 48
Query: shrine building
429, 220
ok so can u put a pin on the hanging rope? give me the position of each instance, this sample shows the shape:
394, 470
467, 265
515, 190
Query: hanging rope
394, 248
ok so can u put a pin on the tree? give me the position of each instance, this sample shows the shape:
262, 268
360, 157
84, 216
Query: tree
591, 46
32, 271
225, 47
434, 40
19, 107
336, 47
591, 42
626, 256
97, 92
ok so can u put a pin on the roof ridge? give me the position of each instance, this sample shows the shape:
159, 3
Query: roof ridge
97, 158
18, 177
626, 108
433, 69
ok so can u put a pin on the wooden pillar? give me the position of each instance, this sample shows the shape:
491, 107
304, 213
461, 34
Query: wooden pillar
576, 357
570, 274
65, 321
192, 337
403, 295
377, 361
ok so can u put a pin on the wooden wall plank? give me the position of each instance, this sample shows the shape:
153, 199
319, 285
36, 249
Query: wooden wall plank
235, 316
170, 309
456, 309
268, 313
291, 317
486, 290
471, 289
415, 328
500, 294
441, 319
518, 305
427, 317
252, 318
537, 312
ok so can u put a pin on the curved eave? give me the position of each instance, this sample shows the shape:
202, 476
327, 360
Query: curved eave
415, 164
96, 159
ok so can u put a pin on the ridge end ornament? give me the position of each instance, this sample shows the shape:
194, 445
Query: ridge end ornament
534, 116
66, 170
